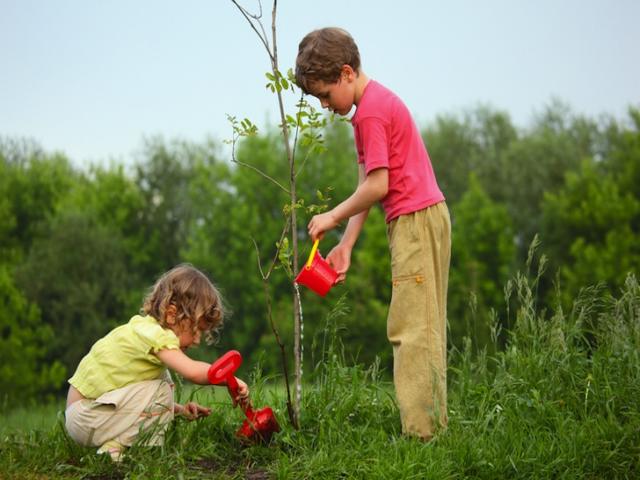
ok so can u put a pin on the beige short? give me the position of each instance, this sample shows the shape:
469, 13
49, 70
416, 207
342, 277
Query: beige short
420, 245
140, 411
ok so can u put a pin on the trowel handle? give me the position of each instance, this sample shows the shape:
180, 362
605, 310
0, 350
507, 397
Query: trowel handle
233, 387
224, 367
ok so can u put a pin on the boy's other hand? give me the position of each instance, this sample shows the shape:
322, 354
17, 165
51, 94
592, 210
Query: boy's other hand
320, 224
340, 260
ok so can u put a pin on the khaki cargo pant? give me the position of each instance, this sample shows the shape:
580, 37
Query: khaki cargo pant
142, 409
420, 245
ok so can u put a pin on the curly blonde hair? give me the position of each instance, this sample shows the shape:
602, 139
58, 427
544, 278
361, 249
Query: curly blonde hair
195, 298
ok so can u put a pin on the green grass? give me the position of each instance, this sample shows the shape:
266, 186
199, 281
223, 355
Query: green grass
561, 400
23, 419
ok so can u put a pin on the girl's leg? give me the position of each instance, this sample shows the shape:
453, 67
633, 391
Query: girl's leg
119, 417
152, 423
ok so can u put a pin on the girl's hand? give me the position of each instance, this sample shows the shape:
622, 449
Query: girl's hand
243, 394
192, 411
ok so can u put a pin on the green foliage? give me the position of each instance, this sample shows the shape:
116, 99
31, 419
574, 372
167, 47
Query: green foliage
514, 168
478, 142
113, 199
368, 288
573, 400
593, 222
82, 295
164, 176
277, 82
24, 342
482, 258
556, 144
235, 210
31, 185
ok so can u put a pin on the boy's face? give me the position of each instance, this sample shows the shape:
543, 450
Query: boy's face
339, 96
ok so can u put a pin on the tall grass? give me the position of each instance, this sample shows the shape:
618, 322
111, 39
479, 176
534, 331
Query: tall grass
556, 396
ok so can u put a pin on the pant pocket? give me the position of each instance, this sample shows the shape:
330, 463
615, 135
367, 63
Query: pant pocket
406, 307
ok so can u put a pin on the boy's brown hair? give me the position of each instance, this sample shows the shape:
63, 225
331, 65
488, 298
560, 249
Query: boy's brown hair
321, 55
194, 297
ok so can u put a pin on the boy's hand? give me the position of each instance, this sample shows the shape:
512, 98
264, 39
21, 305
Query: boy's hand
191, 410
320, 224
340, 259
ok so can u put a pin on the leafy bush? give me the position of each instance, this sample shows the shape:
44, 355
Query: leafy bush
24, 343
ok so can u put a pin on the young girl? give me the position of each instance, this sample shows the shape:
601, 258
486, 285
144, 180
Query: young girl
122, 389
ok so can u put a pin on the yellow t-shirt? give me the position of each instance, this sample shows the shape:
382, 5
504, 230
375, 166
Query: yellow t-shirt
125, 355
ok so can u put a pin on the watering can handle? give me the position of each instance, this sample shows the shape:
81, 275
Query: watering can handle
314, 249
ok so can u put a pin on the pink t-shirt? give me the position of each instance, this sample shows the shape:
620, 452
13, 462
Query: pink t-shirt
387, 137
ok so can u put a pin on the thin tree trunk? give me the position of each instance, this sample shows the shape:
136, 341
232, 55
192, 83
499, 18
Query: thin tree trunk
297, 320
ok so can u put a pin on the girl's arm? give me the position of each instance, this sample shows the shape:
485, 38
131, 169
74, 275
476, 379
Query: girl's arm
195, 371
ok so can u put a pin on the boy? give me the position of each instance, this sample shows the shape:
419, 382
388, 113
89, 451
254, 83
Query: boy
395, 169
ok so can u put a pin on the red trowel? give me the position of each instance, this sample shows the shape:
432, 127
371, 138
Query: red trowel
261, 424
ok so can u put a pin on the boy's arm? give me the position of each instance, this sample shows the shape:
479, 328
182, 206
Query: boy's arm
354, 227
371, 188
340, 256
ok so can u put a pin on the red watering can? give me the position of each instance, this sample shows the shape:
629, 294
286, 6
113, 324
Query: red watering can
317, 274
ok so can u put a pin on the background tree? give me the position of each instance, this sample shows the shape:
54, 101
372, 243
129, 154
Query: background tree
476, 142
592, 224
163, 175
482, 260
556, 144
32, 184
235, 207
25, 373
78, 276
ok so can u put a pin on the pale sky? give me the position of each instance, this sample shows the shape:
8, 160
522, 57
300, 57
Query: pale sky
93, 79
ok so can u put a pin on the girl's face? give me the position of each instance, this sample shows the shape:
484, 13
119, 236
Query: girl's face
186, 335
184, 329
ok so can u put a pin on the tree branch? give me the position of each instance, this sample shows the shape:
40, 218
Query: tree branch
256, 18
